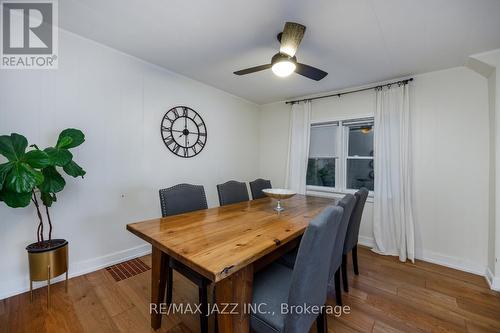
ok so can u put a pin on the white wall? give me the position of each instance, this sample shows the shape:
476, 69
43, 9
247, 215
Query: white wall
488, 65
451, 167
492, 171
451, 160
118, 101
274, 135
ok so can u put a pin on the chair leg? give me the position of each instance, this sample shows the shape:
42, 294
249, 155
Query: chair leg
169, 284
344, 273
355, 259
322, 323
338, 292
203, 298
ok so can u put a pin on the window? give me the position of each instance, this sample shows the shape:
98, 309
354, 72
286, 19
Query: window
341, 156
359, 159
323, 155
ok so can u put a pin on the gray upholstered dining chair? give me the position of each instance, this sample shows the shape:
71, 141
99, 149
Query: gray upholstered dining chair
257, 186
347, 203
306, 284
232, 192
182, 198
178, 199
351, 238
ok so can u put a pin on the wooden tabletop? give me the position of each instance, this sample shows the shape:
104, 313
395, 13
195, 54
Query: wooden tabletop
219, 241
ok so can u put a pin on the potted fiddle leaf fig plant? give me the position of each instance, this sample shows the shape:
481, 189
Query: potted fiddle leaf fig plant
34, 176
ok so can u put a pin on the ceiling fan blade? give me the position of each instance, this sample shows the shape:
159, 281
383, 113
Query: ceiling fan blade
310, 72
291, 38
253, 69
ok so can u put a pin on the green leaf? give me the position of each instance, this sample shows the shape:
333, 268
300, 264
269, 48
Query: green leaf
63, 142
13, 146
22, 178
48, 198
70, 138
4, 170
53, 181
15, 200
59, 156
37, 159
74, 169
20, 144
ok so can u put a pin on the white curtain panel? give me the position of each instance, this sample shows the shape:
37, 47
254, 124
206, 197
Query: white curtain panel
393, 226
300, 127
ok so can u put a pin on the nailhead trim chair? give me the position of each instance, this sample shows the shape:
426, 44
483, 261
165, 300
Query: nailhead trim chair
180, 199
232, 192
257, 186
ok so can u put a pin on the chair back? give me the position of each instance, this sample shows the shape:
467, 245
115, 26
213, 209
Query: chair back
347, 203
310, 274
352, 235
257, 186
232, 192
182, 198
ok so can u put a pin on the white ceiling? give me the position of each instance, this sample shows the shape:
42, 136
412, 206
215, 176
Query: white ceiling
355, 41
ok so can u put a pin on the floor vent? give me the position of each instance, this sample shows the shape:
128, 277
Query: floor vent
127, 269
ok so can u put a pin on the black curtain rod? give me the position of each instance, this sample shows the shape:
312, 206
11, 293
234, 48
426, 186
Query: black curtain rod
350, 92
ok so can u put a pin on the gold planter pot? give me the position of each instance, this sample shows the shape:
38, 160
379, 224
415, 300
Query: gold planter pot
48, 262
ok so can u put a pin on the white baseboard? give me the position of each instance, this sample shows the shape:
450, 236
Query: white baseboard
366, 241
451, 262
447, 261
493, 281
19, 286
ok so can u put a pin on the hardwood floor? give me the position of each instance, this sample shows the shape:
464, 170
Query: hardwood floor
388, 296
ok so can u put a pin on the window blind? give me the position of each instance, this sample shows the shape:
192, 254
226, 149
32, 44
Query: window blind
360, 122
324, 139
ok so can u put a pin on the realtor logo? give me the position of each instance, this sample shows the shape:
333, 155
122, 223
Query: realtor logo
29, 34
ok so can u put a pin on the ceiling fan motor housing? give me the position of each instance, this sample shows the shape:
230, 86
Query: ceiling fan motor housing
278, 57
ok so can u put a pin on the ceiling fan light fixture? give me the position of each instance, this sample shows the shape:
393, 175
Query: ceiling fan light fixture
284, 62
283, 65
283, 68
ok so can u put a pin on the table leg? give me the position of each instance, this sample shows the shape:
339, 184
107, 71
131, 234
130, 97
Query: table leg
159, 262
235, 289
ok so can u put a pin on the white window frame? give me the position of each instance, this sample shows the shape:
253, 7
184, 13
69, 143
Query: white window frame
340, 163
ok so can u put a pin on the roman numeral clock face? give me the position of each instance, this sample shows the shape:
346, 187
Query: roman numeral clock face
183, 131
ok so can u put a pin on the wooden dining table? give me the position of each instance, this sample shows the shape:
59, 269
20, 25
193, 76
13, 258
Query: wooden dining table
226, 245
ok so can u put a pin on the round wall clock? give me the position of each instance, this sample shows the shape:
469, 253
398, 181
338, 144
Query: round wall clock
183, 131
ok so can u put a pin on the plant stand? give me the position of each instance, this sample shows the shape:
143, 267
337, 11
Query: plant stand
47, 260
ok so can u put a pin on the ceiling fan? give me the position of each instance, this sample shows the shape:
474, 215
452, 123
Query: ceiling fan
284, 62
